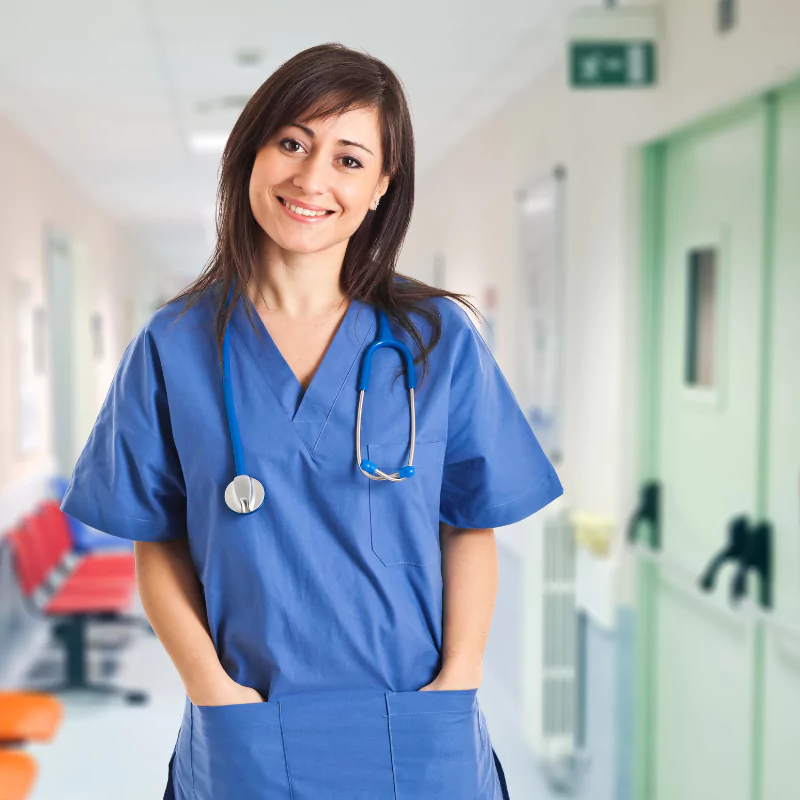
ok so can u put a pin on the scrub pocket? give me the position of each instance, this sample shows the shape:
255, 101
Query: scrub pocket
234, 748
404, 515
439, 746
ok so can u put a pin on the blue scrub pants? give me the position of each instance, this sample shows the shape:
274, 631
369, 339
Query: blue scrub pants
341, 745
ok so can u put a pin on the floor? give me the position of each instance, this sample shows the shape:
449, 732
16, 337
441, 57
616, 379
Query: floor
108, 749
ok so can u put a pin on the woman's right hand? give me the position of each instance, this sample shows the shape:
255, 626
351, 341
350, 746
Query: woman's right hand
227, 694
173, 599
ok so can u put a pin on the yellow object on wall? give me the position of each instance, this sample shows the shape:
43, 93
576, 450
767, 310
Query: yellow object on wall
593, 532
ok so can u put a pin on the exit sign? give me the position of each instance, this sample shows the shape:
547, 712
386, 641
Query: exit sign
614, 46
596, 63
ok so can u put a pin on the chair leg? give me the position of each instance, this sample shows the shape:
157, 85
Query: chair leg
72, 634
128, 619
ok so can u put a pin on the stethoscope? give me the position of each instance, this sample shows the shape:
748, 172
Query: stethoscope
245, 494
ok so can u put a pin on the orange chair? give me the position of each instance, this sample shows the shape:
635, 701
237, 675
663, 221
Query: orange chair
24, 717
18, 773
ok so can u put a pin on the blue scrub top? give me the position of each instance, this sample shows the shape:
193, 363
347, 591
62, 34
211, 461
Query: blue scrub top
335, 582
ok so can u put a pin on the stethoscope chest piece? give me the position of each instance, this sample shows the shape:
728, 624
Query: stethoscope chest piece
244, 494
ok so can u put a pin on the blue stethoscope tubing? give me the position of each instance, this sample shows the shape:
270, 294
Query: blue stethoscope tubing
245, 494
385, 339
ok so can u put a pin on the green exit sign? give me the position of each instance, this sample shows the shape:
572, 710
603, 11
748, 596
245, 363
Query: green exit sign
612, 63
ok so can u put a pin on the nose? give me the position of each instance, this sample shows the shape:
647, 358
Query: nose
312, 176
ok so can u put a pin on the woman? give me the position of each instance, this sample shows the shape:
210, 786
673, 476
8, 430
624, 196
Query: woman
328, 623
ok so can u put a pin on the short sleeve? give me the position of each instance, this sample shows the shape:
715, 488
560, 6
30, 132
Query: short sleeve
495, 471
128, 480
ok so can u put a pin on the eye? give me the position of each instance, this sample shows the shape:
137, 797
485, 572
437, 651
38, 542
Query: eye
355, 161
359, 165
283, 141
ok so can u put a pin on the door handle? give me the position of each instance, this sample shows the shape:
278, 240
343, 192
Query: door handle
757, 555
734, 550
649, 510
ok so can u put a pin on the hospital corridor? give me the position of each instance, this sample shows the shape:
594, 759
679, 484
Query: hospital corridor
235, 547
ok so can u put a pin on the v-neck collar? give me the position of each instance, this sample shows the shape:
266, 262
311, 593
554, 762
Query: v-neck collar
307, 410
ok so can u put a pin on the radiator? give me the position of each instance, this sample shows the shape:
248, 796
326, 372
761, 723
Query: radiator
556, 728
559, 678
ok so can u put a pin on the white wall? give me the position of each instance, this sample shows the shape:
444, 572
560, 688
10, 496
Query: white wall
465, 210
113, 278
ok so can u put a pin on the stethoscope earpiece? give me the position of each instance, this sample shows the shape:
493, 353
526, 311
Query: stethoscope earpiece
368, 467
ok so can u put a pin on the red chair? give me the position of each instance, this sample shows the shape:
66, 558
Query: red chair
76, 566
72, 590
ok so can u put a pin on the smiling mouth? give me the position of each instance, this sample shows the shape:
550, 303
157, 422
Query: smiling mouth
304, 212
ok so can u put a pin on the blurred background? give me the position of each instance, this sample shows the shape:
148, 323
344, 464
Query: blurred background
618, 187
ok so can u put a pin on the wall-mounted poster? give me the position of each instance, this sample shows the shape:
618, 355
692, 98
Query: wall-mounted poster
540, 214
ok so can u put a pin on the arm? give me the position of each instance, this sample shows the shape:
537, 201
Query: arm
173, 601
470, 576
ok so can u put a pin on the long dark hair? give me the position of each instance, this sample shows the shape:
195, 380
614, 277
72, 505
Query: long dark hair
322, 81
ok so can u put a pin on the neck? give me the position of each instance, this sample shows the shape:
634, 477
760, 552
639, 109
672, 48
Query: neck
298, 285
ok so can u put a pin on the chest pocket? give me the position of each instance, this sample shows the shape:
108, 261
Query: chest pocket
404, 515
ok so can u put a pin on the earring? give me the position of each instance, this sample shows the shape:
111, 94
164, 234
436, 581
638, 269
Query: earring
375, 208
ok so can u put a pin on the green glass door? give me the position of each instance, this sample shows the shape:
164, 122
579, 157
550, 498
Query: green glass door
719, 644
707, 434
780, 765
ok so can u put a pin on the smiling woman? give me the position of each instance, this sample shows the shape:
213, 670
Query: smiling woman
309, 199
327, 166
329, 130
327, 612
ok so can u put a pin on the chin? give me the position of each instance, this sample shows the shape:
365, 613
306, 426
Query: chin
303, 249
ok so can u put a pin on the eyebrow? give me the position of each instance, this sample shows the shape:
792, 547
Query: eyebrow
310, 133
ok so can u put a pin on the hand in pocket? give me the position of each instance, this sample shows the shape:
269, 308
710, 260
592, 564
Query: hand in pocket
229, 694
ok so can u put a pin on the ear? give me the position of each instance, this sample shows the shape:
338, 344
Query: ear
382, 186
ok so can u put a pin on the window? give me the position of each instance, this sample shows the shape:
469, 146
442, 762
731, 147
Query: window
701, 317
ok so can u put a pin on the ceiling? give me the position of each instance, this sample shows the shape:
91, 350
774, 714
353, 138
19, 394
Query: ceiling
112, 89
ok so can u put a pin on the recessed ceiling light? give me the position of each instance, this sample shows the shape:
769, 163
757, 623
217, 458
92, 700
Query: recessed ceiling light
208, 141
533, 205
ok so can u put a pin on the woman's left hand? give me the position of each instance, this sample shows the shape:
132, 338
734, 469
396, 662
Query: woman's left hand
452, 679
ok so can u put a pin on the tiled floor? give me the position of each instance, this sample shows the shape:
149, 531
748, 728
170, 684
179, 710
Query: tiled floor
107, 750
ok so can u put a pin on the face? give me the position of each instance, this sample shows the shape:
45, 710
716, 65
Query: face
332, 164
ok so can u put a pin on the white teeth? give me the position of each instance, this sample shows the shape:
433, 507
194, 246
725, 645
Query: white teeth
304, 211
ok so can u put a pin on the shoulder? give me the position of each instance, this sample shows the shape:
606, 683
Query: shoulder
183, 316
453, 314
453, 317
459, 330
182, 329
197, 306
